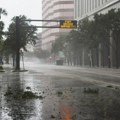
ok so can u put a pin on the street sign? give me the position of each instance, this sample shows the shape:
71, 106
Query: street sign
68, 24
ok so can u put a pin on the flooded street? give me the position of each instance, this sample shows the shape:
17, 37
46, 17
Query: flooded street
60, 93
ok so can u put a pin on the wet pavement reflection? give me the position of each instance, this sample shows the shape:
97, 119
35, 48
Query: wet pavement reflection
62, 98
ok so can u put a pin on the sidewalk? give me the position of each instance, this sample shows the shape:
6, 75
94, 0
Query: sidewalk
96, 70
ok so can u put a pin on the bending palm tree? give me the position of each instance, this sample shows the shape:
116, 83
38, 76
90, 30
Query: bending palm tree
2, 12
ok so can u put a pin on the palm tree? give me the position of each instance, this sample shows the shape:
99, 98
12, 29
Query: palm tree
2, 12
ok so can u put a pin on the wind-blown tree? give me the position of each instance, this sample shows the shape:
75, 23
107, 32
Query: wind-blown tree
58, 46
94, 33
27, 35
1, 30
2, 12
106, 27
42, 54
101, 36
99, 31
96, 41
72, 48
114, 20
86, 30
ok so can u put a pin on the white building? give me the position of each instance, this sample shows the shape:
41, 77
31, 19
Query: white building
86, 8
55, 10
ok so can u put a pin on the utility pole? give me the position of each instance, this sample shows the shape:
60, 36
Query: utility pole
17, 44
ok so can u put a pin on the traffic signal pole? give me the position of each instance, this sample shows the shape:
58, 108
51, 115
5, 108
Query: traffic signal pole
17, 44
65, 24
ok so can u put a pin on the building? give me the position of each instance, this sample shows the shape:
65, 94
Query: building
38, 43
87, 8
55, 10
101, 56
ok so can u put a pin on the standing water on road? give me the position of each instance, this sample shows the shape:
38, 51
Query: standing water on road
49, 92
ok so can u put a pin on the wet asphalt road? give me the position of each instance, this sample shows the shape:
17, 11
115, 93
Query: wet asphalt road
66, 93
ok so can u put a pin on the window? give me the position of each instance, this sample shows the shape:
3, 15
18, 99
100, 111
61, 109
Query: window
81, 7
102, 2
85, 6
90, 5
75, 8
98, 2
93, 4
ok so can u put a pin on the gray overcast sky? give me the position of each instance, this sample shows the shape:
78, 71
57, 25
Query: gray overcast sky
31, 8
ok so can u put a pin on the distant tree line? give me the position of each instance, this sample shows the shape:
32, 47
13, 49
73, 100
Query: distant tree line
42, 54
96, 42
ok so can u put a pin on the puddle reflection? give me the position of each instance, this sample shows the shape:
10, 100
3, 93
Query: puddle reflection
18, 109
72, 104
66, 113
